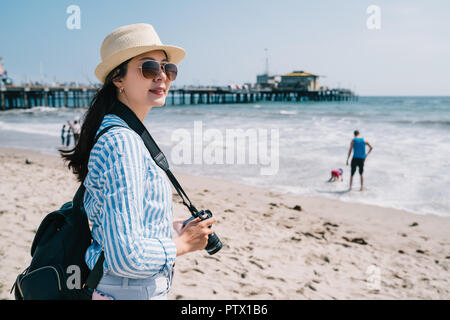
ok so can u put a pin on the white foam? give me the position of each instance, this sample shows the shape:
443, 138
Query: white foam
37, 109
288, 112
52, 130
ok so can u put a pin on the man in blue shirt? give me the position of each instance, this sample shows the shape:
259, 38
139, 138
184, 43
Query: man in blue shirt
358, 146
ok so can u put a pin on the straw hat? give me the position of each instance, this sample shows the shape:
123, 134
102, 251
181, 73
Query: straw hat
129, 41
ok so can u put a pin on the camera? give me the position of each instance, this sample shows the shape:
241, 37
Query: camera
214, 243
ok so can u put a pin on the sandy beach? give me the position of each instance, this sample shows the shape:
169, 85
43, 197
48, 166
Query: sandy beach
276, 246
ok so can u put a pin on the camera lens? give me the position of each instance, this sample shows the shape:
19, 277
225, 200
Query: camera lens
214, 244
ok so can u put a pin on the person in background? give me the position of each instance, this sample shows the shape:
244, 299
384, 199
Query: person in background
358, 146
63, 132
69, 133
336, 174
76, 128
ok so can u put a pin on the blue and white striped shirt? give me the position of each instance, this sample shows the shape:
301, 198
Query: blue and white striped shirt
128, 199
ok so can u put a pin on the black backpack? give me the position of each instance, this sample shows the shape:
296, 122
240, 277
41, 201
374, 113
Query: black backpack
58, 269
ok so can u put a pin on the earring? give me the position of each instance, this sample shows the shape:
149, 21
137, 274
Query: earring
121, 90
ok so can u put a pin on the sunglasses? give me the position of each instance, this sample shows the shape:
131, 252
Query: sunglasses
151, 69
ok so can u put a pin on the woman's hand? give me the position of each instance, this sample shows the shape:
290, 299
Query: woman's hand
178, 226
194, 236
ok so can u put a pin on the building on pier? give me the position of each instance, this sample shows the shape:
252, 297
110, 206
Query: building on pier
300, 80
266, 81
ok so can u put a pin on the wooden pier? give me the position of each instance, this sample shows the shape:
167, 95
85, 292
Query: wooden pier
13, 97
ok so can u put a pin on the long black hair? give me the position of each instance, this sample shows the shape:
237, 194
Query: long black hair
100, 105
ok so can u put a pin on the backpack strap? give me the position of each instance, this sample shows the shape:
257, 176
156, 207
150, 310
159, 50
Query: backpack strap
104, 131
95, 275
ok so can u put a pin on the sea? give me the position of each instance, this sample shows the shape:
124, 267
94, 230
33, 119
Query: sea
289, 147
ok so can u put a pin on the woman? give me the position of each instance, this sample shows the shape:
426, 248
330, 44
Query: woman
128, 197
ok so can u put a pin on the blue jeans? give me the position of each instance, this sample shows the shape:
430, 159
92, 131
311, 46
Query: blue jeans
152, 288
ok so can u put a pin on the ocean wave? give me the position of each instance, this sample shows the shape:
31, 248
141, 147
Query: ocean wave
445, 123
28, 128
288, 112
187, 112
38, 110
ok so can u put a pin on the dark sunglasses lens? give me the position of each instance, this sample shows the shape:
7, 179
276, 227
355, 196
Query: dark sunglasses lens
171, 71
150, 69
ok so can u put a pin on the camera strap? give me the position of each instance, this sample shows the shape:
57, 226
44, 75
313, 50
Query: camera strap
127, 115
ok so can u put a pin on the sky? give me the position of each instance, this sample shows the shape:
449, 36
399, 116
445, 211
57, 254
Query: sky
406, 54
